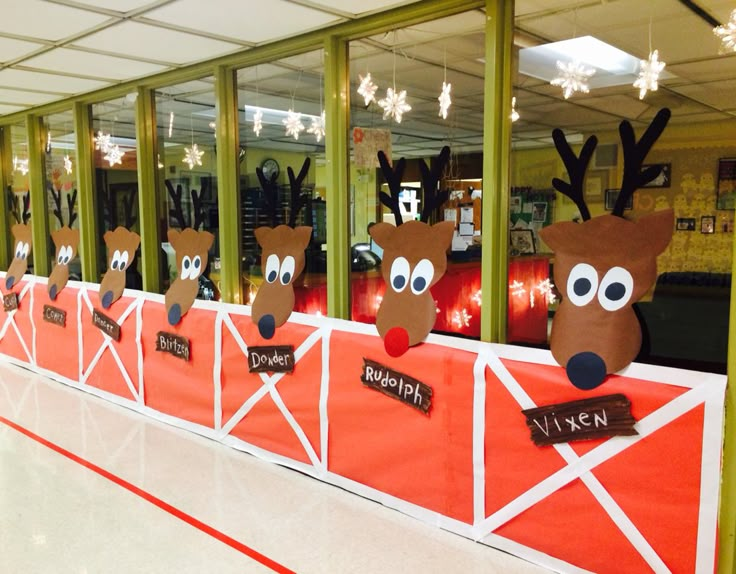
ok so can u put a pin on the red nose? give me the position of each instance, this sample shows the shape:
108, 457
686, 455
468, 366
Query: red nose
396, 341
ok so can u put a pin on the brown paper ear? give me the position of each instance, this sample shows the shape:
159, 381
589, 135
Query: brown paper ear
173, 237
443, 233
262, 234
382, 233
556, 235
303, 235
659, 226
135, 242
107, 237
206, 239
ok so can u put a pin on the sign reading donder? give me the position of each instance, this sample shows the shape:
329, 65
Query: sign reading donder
106, 325
274, 359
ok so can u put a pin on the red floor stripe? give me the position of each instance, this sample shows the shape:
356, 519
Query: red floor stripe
181, 515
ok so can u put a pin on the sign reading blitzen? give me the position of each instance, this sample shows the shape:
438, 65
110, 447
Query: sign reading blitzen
397, 385
586, 419
173, 344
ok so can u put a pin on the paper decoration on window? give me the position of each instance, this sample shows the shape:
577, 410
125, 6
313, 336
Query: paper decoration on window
19, 265
605, 264
193, 156
121, 247
367, 142
293, 123
414, 258
367, 89
282, 256
394, 105
317, 129
258, 122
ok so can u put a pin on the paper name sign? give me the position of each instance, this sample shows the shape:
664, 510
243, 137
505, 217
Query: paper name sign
278, 359
172, 344
397, 385
586, 419
54, 315
10, 302
106, 325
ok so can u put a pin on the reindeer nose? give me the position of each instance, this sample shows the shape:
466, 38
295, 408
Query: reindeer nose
396, 341
107, 299
266, 326
174, 314
52, 292
9, 282
586, 370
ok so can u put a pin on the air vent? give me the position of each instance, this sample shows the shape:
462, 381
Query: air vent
606, 156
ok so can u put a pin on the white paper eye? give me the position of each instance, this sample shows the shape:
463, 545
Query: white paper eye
186, 267
19, 250
287, 270
421, 277
26, 250
272, 268
115, 263
582, 284
616, 289
67, 254
123, 261
60, 257
399, 274
196, 267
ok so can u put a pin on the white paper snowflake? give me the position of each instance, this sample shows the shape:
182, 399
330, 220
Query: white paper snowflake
20, 165
649, 74
444, 100
394, 104
572, 77
514, 114
193, 156
258, 122
461, 318
517, 288
103, 141
114, 155
68, 164
293, 123
545, 289
727, 33
367, 89
318, 127
477, 297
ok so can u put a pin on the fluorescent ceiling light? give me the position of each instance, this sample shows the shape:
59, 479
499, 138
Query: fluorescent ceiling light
614, 67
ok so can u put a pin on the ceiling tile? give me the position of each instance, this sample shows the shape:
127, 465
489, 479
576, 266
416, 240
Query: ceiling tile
11, 49
117, 5
12, 78
717, 68
145, 41
716, 94
238, 19
358, 7
8, 109
47, 21
88, 64
26, 98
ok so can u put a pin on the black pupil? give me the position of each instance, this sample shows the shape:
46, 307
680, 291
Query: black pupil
419, 283
186, 264
114, 264
399, 282
615, 291
272, 276
197, 262
581, 286
286, 278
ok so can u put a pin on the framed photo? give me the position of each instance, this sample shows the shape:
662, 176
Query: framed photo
539, 211
595, 182
612, 196
708, 224
522, 242
726, 190
685, 224
664, 179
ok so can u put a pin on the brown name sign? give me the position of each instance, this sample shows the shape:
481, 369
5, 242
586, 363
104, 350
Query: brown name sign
278, 359
172, 344
54, 315
10, 302
106, 325
397, 385
586, 419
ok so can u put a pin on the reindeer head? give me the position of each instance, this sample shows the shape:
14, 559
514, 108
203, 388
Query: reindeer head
282, 257
605, 264
414, 259
23, 243
67, 242
191, 260
121, 247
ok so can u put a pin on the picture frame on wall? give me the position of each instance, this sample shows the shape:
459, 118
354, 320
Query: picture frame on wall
685, 224
539, 211
708, 224
595, 182
612, 196
522, 242
726, 188
664, 179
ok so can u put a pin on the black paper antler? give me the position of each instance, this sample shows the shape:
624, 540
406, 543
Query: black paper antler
634, 155
128, 206
26, 207
270, 193
177, 212
393, 178
576, 168
13, 205
56, 195
199, 214
433, 198
298, 199
71, 201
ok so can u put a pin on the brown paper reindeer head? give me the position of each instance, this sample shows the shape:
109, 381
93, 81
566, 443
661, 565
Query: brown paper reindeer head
605, 264
23, 244
414, 259
66, 241
121, 247
282, 257
191, 260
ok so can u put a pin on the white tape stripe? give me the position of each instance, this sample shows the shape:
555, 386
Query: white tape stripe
123, 371
298, 430
532, 555
32, 296
324, 390
93, 362
236, 334
80, 335
243, 411
479, 435
23, 343
217, 373
139, 349
6, 324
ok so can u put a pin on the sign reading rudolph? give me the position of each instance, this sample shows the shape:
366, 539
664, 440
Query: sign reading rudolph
604, 265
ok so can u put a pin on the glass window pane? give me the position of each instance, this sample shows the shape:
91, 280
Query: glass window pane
19, 192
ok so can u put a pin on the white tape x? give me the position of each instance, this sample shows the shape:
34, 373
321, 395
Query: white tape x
10, 319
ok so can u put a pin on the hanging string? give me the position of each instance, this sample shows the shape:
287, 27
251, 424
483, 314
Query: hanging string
650, 33
296, 87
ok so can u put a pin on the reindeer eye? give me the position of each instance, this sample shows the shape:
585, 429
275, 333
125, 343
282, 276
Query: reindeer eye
67, 254
399, 274
19, 250
421, 277
616, 289
287, 270
582, 284
123, 260
272, 268
60, 258
26, 249
186, 263
196, 266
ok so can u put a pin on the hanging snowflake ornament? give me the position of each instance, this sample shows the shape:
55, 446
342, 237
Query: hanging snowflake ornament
318, 127
444, 99
394, 105
517, 288
114, 155
103, 141
514, 114
727, 34
461, 318
649, 71
572, 77
68, 164
258, 122
193, 156
367, 89
293, 123
21, 165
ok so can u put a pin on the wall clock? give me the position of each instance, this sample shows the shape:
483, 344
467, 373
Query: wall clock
270, 166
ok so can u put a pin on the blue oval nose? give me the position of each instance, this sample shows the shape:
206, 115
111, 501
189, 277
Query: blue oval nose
9, 282
175, 314
267, 326
586, 370
52, 293
107, 299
